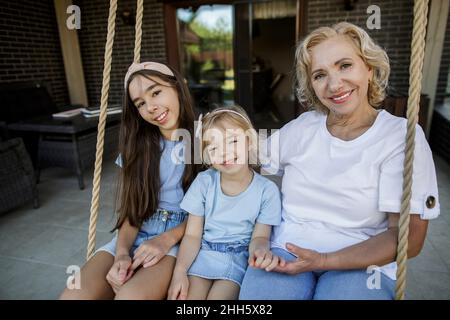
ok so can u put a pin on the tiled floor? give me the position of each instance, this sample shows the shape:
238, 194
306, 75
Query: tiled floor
37, 246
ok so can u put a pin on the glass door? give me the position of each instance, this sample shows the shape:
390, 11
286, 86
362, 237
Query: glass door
243, 55
238, 51
205, 36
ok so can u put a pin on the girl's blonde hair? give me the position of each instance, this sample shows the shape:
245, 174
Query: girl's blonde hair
236, 115
372, 55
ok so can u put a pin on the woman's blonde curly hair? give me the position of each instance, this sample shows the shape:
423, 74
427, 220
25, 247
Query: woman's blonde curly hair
372, 55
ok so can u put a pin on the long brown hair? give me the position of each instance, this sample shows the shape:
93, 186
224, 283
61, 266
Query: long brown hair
139, 146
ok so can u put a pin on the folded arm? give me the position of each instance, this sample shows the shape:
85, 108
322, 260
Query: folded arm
377, 250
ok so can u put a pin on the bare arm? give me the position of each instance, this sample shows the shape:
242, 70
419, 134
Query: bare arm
151, 251
378, 250
417, 234
125, 238
260, 238
190, 245
121, 271
174, 235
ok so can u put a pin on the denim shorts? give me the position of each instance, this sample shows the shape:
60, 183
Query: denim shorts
161, 221
226, 261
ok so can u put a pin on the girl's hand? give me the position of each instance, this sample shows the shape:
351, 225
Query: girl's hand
120, 272
263, 258
150, 252
308, 260
179, 286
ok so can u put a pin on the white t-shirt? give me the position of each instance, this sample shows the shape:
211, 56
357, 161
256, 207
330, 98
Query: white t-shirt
337, 193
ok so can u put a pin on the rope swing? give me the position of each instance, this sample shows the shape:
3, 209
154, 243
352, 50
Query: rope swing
415, 79
101, 127
415, 86
103, 110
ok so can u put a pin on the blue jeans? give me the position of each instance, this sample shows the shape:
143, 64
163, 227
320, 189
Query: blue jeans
324, 285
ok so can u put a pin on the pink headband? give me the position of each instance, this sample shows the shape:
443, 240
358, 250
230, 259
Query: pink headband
162, 68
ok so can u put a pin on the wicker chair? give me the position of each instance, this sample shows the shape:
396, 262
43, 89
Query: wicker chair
17, 178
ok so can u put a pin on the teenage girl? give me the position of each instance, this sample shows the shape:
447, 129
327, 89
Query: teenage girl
138, 262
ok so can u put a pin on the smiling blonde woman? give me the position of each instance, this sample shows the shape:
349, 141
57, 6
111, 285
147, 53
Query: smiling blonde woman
342, 171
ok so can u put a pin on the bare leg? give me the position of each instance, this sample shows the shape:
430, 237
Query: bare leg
198, 288
223, 290
149, 283
93, 279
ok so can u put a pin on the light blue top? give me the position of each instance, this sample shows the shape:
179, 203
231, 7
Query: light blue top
171, 168
232, 218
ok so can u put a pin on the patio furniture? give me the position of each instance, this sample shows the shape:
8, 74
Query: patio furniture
69, 143
25, 100
17, 177
26, 110
21, 101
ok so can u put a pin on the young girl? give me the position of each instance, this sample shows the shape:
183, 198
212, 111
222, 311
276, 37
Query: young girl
231, 212
138, 262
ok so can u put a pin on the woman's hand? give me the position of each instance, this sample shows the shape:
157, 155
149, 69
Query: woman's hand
151, 251
120, 272
262, 258
308, 260
179, 286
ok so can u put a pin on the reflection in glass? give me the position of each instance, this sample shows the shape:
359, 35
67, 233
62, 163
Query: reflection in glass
206, 53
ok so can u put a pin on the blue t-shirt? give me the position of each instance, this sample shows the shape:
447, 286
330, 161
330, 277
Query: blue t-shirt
232, 218
171, 168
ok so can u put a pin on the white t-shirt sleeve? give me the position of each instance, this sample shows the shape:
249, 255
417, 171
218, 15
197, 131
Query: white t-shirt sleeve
424, 198
194, 199
270, 212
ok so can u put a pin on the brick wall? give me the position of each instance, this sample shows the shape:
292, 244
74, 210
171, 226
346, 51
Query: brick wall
30, 48
394, 35
92, 37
